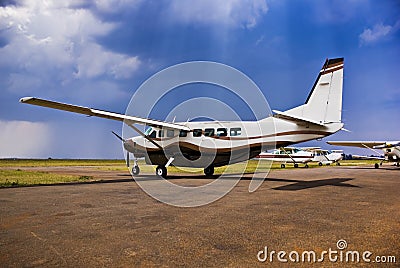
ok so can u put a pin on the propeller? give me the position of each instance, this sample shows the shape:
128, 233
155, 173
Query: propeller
118, 136
127, 152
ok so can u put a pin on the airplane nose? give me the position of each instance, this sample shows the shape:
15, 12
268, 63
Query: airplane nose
129, 145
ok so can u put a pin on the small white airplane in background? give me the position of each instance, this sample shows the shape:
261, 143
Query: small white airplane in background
326, 157
213, 144
302, 155
391, 149
287, 154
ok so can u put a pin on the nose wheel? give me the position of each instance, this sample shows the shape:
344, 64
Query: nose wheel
135, 169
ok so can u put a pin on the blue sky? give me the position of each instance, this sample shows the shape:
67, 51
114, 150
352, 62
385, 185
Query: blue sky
98, 53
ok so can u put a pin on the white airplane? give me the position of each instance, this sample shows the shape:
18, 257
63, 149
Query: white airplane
287, 154
391, 149
213, 144
326, 157
302, 155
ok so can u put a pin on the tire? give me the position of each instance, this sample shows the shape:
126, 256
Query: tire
398, 164
135, 170
306, 166
337, 164
376, 165
320, 164
296, 165
283, 166
161, 171
209, 171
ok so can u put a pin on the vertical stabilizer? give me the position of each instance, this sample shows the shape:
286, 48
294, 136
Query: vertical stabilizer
324, 103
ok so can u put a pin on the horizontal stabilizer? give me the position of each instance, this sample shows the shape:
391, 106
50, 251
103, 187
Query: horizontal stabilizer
295, 118
104, 114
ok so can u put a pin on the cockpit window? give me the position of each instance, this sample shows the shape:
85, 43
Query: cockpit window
153, 134
148, 131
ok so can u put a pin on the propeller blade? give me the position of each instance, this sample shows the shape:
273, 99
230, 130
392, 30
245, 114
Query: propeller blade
118, 136
127, 158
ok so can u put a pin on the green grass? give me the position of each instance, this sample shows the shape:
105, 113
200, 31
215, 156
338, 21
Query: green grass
58, 162
18, 177
10, 176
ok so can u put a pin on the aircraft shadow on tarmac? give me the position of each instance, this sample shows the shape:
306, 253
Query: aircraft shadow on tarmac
294, 186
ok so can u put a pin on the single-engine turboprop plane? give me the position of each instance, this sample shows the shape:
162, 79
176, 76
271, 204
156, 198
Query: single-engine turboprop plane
214, 143
391, 150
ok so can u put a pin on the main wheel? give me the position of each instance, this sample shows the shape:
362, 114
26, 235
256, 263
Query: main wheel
283, 166
161, 171
306, 166
320, 164
209, 171
398, 164
296, 165
376, 165
337, 164
135, 170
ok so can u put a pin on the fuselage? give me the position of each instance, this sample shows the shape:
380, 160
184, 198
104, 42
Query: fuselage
221, 143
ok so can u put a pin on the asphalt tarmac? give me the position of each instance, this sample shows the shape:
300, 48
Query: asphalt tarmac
114, 223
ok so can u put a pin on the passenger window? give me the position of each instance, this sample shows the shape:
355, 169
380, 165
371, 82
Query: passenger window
236, 131
161, 133
197, 132
170, 133
153, 134
221, 132
209, 132
182, 133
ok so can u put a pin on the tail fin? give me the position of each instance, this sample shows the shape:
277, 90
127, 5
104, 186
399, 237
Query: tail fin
324, 103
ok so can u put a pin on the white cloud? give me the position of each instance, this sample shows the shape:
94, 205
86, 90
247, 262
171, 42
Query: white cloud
49, 38
378, 32
234, 13
24, 139
115, 6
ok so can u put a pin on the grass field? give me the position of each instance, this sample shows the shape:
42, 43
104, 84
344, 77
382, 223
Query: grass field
13, 172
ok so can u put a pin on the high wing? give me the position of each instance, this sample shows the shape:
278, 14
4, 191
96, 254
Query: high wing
100, 113
365, 144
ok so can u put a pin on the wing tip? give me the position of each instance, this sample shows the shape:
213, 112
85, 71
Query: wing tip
25, 99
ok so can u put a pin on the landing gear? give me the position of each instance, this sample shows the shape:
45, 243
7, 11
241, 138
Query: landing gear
306, 166
296, 165
161, 171
320, 164
376, 165
397, 164
283, 166
337, 163
135, 170
209, 171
